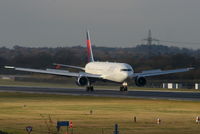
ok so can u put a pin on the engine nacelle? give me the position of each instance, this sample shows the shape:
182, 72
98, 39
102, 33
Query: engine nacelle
140, 81
82, 81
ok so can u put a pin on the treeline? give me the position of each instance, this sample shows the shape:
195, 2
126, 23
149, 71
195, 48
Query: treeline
141, 57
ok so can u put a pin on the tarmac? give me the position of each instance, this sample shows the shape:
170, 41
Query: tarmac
173, 95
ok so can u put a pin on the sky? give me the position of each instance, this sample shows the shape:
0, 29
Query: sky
112, 23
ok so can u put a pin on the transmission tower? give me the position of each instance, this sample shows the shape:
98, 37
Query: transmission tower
149, 39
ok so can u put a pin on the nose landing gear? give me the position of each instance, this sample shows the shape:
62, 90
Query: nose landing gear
124, 87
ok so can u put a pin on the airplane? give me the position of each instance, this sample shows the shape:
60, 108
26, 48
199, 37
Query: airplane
102, 71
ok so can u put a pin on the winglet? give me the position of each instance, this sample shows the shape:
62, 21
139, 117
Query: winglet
89, 48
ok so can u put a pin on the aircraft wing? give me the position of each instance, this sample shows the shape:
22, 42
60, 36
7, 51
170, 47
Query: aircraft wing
55, 72
160, 72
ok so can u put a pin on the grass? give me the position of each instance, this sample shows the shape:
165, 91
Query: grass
18, 110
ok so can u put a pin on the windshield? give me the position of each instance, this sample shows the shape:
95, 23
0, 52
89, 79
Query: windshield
126, 69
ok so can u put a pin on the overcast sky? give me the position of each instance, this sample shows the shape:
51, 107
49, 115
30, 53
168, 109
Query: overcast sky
112, 23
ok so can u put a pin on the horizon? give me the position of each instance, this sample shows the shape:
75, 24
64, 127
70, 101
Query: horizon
94, 46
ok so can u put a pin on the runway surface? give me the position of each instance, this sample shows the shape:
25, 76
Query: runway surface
192, 96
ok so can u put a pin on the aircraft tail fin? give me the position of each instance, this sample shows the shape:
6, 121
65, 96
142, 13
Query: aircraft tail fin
89, 48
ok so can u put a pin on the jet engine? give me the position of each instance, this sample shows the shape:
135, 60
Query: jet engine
82, 81
140, 81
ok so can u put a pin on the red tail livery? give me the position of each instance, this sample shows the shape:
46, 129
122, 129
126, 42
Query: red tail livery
89, 48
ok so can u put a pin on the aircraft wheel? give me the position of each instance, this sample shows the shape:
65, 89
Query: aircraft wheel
121, 88
125, 88
89, 88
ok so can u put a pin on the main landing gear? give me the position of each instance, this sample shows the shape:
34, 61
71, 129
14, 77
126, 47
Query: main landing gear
124, 87
89, 88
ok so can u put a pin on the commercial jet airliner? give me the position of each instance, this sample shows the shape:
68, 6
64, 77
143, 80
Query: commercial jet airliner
102, 71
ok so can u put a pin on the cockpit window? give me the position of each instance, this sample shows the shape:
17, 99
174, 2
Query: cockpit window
126, 70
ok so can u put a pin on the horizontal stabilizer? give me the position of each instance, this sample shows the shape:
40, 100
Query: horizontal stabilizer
69, 66
56, 70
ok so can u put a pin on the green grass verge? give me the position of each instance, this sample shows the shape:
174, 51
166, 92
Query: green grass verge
18, 110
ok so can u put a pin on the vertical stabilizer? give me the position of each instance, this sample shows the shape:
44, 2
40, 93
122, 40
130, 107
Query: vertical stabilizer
89, 48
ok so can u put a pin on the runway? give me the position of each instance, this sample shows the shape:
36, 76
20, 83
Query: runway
191, 96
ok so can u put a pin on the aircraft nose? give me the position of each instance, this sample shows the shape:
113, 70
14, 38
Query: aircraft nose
129, 74
126, 74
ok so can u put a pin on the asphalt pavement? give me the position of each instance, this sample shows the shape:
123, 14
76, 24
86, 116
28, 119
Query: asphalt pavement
190, 96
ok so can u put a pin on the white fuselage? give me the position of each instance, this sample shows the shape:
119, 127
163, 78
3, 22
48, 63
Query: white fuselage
117, 72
